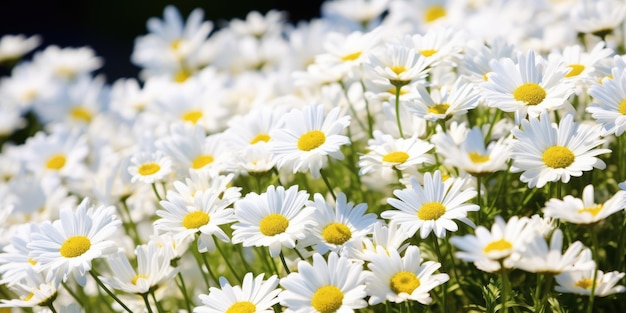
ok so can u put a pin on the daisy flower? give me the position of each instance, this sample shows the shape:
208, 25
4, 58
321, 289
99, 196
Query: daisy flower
441, 45
398, 279
204, 217
581, 63
527, 87
14, 260
598, 17
68, 245
336, 285
339, 225
254, 295
33, 290
400, 154
67, 64
153, 268
489, 249
609, 103
308, 138
388, 236
471, 155
581, 282
147, 167
432, 207
13, 47
362, 13
585, 210
395, 65
272, 219
445, 102
545, 152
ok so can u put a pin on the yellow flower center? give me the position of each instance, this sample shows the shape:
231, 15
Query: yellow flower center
440, 108
622, 107
175, 45
404, 282
137, 277
396, 157
311, 140
431, 211
498, 245
576, 69
192, 116
558, 157
200, 161
398, 69
485, 77
529, 93
28, 297
32, 262
242, 307
182, 75
594, 210
195, 219
478, 158
75, 246
260, 137
428, 52
434, 12
56, 162
336, 233
584, 283
351, 56
273, 224
148, 169
80, 113
327, 299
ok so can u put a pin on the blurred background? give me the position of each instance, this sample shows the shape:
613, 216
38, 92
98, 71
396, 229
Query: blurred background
110, 27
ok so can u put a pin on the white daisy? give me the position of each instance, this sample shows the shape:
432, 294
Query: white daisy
254, 295
609, 103
527, 87
585, 210
395, 65
33, 290
432, 207
599, 17
445, 102
388, 236
489, 249
336, 285
400, 154
582, 63
339, 224
149, 167
545, 152
581, 282
308, 138
13, 47
68, 63
398, 279
14, 259
272, 219
68, 245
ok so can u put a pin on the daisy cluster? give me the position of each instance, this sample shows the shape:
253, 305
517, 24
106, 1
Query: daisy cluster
388, 156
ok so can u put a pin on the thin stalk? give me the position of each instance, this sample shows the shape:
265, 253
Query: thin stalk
73, 294
156, 192
226, 258
398, 111
243, 259
351, 107
479, 199
546, 292
496, 117
183, 290
158, 304
208, 267
282, 260
51, 307
594, 249
370, 120
441, 260
146, 301
132, 224
111, 294
299, 254
504, 275
196, 256
330, 188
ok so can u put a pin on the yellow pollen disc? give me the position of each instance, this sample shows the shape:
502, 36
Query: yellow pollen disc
584, 283
622, 107
56, 162
594, 210
148, 169
434, 13
80, 113
192, 116
182, 75
485, 77
351, 56
404, 282
75, 246
497, 245
398, 69
259, 138
65, 72
529, 93
396, 157
32, 262
311, 140
327, 299
242, 307
403, 91
428, 52
273, 224
576, 69
441, 108
336, 233
478, 158
30, 95
558, 157
431, 211
196, 219
200, 161
175, 45
137, 277
29, 296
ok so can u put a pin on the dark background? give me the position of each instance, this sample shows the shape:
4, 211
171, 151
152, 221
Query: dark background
110, 27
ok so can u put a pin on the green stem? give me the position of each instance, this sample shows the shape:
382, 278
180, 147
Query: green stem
596, 256
146, 301
183, 290
299, 254
51, 307
132, 224
330, 188
496, 117
351, 107
111, 294
242, 257
441, 260
208, 267
398, 111
158, 304
156, 192
282, 260
226, 259
546, 292
505, 287
196, 256
73, 294
370, 120
479, 199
